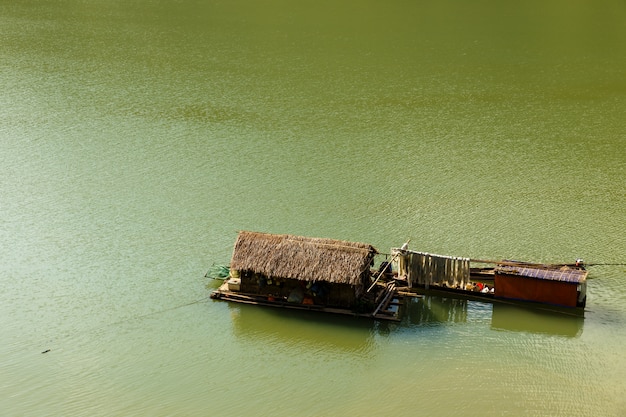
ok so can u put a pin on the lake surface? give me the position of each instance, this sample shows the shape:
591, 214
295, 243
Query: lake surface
137, 138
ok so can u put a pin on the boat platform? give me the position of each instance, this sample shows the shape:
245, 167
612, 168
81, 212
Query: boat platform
388, 303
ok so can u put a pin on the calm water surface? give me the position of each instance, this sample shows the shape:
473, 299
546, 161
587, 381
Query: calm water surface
137, 138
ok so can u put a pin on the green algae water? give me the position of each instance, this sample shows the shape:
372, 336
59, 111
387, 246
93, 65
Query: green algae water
137, 138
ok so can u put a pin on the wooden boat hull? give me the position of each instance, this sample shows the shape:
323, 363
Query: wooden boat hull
493, 298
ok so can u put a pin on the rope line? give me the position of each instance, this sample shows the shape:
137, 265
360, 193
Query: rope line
154, 313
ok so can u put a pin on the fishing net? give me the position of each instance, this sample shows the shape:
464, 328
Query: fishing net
218, 272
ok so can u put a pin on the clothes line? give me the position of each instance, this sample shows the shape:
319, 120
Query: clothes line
427, 269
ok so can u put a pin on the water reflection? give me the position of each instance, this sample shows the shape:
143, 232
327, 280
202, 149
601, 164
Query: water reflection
431, 310
436, 310
304, 329
520, 319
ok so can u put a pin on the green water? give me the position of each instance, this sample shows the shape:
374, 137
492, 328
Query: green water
137, 138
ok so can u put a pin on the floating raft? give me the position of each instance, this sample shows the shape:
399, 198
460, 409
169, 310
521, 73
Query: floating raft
303, 273
559, 285
335, 276
388, 309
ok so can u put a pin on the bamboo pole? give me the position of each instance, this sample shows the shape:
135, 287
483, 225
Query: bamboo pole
380, 274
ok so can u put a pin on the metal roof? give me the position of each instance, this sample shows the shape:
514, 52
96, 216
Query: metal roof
564, 274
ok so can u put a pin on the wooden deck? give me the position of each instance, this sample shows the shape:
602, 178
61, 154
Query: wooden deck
388, 307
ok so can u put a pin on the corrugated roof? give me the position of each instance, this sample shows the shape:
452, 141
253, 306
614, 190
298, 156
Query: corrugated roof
564, 274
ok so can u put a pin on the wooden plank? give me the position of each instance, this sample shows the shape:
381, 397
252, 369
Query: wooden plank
223, 293
390, 291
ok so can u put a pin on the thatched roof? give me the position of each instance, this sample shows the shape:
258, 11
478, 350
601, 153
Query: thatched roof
302, 258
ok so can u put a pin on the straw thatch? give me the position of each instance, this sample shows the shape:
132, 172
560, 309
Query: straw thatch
302, 258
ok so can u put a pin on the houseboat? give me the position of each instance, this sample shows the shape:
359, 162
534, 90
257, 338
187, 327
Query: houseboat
563, 286
336, 276
303, 273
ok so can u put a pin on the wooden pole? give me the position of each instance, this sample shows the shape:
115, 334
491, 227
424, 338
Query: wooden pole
380, 274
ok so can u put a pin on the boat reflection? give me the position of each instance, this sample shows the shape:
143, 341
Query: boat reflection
352, 334
519, 319
306, 329
435, 310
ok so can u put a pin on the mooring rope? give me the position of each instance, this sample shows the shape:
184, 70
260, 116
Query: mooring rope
157, 312
154, 313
